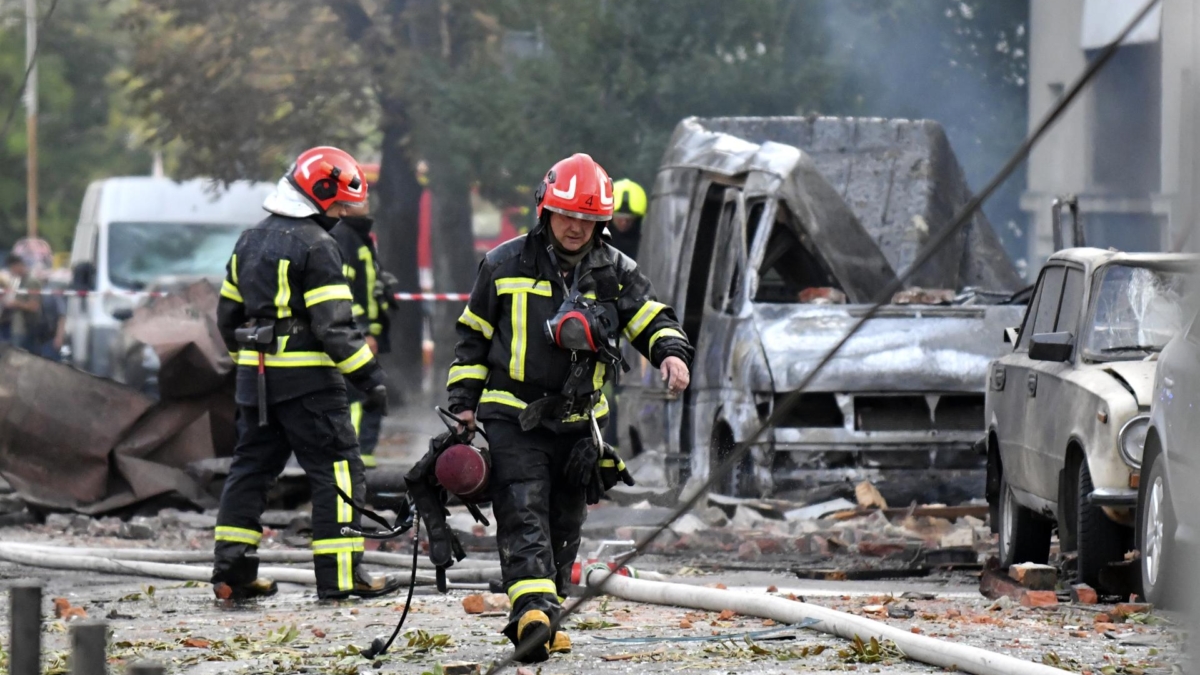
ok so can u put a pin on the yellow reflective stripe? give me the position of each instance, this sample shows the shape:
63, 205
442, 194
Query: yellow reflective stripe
502, 398
284, 295
289, 360
237, 535
349, 272
233, 268
356, 416
229, 290
666, 332
341, 474
376, 329
459, 373
516, 363
474, 321
326, 293
369, 461
598, 377
511, 285
332, 546
600, 410
642, 319
357, 309
364, 254
531, 586
345, 571
233, 356
361, 358
607, 463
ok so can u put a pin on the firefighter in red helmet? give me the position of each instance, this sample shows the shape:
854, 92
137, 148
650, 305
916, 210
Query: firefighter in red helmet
285, 316
538, 340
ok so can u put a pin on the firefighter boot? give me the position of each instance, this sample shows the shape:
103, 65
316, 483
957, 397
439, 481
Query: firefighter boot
561, 644
235, 574
259, 588
365, 586
533, 637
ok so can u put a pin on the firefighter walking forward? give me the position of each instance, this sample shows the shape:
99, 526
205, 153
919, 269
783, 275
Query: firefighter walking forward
285, 316
538, 341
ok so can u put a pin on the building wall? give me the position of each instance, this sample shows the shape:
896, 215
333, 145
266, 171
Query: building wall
1065, 162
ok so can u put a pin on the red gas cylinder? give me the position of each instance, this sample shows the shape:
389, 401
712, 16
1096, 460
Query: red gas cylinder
463, 471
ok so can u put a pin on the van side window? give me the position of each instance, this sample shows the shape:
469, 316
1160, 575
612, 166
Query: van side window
789, 265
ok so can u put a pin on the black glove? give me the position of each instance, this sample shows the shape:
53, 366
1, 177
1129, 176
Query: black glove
581, 465
613, 469
377, 400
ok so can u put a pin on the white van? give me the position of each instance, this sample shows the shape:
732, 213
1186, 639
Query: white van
141, 232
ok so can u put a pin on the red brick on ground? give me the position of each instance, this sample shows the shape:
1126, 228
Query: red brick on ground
1039, 599
1084, 594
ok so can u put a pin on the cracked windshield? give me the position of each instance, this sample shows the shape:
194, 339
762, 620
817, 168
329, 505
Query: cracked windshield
1137, 310
142, 253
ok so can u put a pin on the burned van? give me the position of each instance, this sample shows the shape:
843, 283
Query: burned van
771, 237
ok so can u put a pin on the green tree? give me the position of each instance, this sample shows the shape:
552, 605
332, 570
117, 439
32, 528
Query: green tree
82, 133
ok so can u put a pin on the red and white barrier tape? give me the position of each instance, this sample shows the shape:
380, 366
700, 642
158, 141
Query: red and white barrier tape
62, 292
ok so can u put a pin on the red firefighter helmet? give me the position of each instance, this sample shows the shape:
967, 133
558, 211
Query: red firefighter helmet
463, 471
326, 175
578, 187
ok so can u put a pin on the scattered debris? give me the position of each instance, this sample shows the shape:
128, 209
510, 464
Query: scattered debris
869, 497
1084, 594
1034, 577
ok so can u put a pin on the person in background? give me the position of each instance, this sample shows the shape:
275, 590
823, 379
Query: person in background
20, 312
51, 325
625, 235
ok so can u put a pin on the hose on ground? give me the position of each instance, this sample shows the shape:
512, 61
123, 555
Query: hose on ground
923, 648
81, 562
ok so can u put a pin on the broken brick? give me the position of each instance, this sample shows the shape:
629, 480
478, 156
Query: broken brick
318, 633
1102, 618
480, 604
768, 622
749, 552
1084, 594
197, 643
726, 615
685, 624
1039, 599
882, 549
1124, 609
772, 589
1034, 577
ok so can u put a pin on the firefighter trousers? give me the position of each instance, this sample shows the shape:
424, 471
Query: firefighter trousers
317, 428
367, 426
538, 518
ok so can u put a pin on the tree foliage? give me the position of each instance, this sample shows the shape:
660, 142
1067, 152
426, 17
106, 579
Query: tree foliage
83, 132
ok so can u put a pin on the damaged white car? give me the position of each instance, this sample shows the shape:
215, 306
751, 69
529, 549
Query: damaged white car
1067, 410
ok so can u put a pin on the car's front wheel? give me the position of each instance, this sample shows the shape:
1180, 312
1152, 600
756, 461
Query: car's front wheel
1156, 527
1099, 540
1024, 535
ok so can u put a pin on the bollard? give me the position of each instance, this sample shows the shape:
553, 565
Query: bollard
89, 648
25, 621
146, 668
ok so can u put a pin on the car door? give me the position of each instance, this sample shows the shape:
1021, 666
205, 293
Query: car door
1011, 382
1050, 393
1179, 375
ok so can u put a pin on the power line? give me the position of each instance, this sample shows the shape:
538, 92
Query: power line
12, 110
792, 399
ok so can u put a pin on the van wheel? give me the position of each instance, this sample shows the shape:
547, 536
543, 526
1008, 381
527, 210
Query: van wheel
739, 481
1156, 525
1024, 535
1098, 539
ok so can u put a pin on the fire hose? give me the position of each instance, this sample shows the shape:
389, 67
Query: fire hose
941, 653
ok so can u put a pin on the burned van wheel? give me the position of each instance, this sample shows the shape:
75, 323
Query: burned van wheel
739, 481
1024, 535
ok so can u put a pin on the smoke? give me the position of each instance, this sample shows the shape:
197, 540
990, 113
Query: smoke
960, 63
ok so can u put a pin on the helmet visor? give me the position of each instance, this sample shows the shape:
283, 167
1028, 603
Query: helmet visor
595, 217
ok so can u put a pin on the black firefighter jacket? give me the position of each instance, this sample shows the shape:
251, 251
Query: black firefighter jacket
290, 270
504, 361
360, 264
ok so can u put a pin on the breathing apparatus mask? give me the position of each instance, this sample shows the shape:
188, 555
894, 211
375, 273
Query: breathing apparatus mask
582, 325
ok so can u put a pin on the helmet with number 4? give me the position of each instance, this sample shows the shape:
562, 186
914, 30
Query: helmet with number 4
319, 178
577, 187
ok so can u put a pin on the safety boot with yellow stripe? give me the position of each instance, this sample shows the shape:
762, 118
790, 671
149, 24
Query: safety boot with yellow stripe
561, 644
365, 586
533, 637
